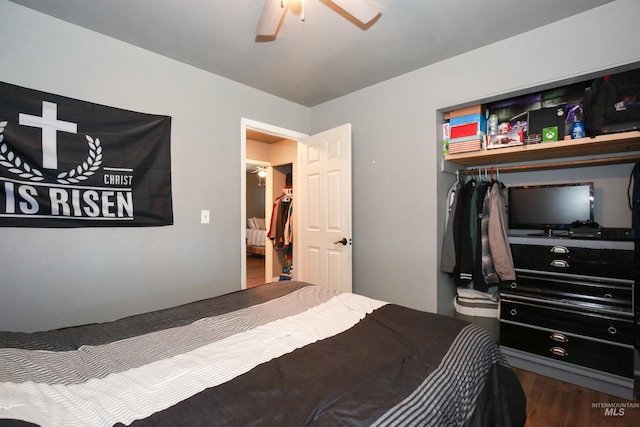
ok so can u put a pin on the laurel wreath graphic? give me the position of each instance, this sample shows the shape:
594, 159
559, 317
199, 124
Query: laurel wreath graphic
16, 165
86, 168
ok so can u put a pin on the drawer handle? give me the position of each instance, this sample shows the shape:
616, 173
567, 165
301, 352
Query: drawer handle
608, 296
513, 311
559, 263
612, 330
559, 250
559, 337
559, 351
513, 285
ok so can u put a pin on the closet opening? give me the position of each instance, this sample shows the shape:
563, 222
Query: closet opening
281, 225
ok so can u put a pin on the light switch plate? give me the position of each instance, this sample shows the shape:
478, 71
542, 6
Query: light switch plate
204, 217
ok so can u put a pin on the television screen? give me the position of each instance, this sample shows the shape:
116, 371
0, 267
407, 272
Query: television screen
550, 207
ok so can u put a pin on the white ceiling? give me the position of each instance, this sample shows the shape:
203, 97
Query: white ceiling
326, 56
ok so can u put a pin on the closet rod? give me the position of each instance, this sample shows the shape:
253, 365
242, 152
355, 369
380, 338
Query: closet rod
556, 165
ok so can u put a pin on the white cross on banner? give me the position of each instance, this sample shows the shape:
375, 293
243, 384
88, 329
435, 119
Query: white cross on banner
71, 163
49, 125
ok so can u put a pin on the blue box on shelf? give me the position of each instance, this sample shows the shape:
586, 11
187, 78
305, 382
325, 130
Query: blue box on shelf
477, 119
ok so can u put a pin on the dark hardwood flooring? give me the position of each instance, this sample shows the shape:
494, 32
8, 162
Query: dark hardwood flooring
553, 403
255, 270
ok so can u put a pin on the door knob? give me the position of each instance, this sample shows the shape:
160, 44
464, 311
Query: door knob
343, 241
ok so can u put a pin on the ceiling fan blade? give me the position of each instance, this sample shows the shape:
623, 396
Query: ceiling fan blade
363, 10
270, 18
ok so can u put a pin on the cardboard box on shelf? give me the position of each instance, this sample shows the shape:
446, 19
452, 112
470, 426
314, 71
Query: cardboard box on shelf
469, 125
474, 109
466, 144
469, 129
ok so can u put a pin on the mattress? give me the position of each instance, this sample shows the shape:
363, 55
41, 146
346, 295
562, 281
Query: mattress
286, 353
256, 237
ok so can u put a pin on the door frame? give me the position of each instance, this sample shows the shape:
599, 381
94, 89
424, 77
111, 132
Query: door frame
264, 128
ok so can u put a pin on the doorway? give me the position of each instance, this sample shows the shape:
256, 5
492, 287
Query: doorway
322, 166
273, 148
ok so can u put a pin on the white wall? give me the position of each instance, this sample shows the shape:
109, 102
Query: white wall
58, 277
397, 185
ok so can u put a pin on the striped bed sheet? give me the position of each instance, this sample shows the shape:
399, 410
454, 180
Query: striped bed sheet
286, 353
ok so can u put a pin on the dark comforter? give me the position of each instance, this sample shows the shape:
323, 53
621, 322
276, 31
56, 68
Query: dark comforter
285, 354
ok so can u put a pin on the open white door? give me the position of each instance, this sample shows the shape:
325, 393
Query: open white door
323, 206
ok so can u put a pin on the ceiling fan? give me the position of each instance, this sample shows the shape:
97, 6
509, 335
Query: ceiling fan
362, 10
261, 171
262, 175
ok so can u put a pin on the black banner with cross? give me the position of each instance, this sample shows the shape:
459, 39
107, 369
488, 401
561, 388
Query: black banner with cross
71, 163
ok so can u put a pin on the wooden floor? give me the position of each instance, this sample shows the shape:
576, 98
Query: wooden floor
553, 403
255, 270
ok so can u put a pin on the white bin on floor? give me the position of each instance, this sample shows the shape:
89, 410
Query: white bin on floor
479, 308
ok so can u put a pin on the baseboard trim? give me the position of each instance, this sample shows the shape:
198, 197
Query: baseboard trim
614, 385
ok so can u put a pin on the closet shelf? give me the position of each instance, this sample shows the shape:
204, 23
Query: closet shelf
601, 161
600, 145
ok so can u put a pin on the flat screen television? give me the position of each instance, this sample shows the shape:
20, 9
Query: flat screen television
550, 207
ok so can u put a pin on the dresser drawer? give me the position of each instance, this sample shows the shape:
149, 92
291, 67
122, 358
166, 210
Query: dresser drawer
599, 326
603, 295
568, 348
614, 263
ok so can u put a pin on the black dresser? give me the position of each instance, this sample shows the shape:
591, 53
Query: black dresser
569, 314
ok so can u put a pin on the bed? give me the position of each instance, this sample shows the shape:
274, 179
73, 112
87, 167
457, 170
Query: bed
256, 236
282, 354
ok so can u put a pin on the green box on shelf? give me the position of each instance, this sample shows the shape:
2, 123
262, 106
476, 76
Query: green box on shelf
550, 134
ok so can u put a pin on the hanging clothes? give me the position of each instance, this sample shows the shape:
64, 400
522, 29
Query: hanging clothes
281, 227
634, 200
288, 227
478, 278
448, 253
463, 272
479, 235
499, 234
488, 270
634, 204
